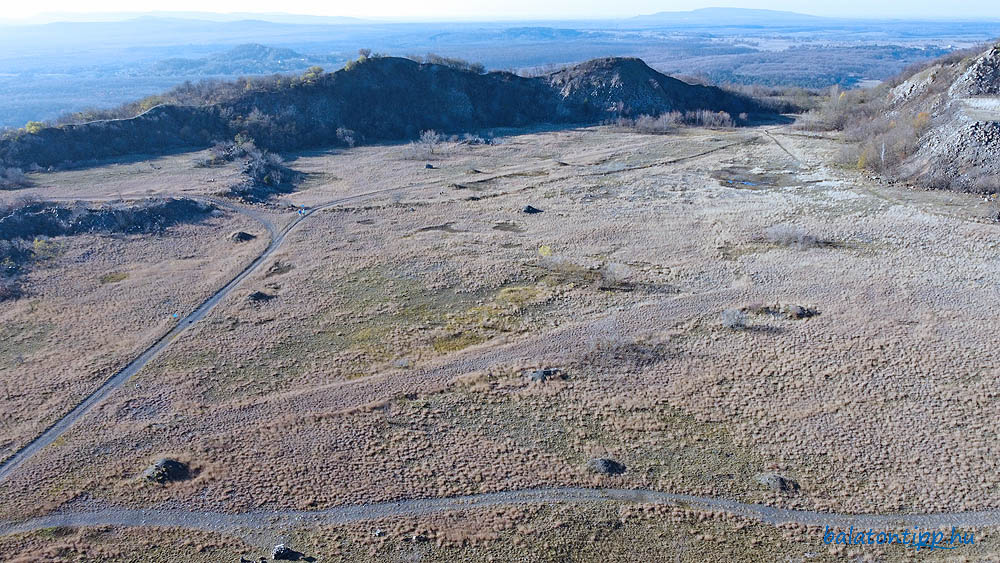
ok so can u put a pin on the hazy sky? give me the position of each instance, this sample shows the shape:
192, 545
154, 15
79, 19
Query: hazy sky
504, 9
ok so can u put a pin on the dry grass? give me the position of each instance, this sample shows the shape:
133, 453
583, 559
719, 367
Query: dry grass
93, 303
391, 362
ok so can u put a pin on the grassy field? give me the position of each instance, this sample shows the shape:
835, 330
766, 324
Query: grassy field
389, 358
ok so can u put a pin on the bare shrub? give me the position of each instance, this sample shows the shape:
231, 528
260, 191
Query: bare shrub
427, 145
614, 276
346, 136
790, 235
12, 178
10, 289
455, 63
706, 118
664, 123
734, 319
671, 121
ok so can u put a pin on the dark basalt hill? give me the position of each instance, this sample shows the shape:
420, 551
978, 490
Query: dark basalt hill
628, 87
379, 99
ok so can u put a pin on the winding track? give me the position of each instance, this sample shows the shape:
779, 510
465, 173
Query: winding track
274, 521
283, 519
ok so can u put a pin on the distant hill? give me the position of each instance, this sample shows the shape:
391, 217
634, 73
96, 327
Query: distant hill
275, 17
377, 99
720, 17
250, 58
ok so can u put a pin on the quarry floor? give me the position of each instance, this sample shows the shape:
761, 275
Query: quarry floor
391, 361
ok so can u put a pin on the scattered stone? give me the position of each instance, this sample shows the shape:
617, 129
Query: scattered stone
544, 374
167, 470
798, 312
259, 297
778, 483
791, 312
605, 466
241, 236
278, 268
531, 209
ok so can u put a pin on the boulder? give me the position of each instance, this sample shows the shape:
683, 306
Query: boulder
259, 297
241, 236
798, 312
541, 375
531, 210
167, 470
284, 553
778, 483
606, 466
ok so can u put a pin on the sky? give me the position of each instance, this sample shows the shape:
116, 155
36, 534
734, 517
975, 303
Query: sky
519, 9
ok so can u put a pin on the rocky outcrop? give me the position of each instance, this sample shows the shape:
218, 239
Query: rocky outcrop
380, 99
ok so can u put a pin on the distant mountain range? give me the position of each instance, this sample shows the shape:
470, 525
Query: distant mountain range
729, 17
274, 17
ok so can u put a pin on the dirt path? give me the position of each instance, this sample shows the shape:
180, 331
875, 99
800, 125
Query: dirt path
264, 522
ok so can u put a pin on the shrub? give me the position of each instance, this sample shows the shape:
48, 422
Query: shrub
455, 63
668, 122
12, 178
734, 319
346, 136
10, 289
429, 141
614, 276
790, 235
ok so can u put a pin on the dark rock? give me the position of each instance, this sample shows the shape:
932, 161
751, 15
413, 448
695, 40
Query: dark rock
605, 466
778, 483
278, 268
167, 470
240, 236
798, 312
544, 374
531, 209
429, 166
283, 553
259, 297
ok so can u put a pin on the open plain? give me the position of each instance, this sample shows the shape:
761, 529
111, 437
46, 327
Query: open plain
724, 314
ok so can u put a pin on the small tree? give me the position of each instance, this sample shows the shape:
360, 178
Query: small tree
364, 53
429, 140
312, 74
346, 136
